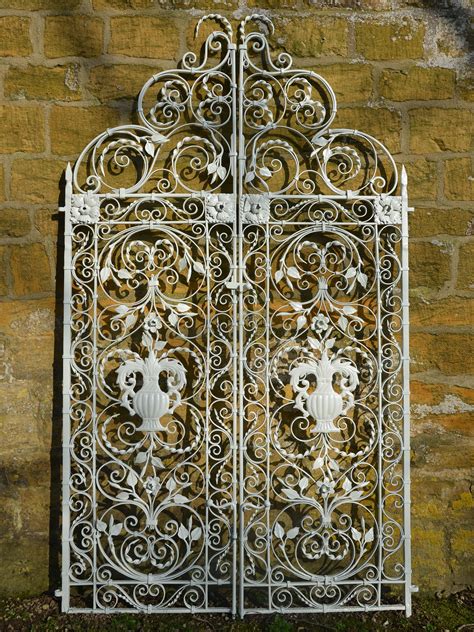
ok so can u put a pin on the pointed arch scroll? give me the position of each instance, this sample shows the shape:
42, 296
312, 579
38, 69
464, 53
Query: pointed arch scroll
238, 116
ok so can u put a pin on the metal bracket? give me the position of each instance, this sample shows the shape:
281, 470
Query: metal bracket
236, 286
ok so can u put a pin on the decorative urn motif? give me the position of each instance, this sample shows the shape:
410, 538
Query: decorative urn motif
150, 402
324, 404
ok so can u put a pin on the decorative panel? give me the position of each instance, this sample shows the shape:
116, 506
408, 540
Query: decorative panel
236, 430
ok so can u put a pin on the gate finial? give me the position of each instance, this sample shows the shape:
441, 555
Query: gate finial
67, 188
404, 182
218, 18
255, 17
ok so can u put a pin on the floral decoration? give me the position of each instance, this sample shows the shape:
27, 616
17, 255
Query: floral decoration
85, 208
220, 207
388, 209
320, 323
255, 209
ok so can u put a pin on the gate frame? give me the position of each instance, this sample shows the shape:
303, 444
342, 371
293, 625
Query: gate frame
237, 53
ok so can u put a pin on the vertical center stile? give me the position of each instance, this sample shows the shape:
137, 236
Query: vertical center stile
235, 176
94, 412
380, 415
241, 403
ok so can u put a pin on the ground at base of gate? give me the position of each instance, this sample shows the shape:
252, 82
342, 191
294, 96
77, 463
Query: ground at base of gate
454, 613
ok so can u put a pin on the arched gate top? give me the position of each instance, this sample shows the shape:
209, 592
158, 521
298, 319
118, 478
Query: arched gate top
244, 125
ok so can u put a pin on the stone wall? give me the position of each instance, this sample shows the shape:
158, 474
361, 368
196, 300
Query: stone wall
70, 68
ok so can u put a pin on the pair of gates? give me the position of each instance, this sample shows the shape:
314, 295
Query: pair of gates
235, 350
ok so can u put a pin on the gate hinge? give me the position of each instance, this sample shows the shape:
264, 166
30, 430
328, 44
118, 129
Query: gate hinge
414, 588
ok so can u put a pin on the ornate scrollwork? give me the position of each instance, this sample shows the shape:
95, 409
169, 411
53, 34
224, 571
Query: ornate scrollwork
237, 267
388, 209
289, 147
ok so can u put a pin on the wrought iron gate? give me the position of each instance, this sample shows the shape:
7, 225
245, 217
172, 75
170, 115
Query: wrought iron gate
235, 349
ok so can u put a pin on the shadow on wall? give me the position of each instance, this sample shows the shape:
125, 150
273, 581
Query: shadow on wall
54, 573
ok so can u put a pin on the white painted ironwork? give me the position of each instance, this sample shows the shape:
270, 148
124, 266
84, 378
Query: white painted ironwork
236, 422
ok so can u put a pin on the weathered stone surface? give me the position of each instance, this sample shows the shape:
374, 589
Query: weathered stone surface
464, 502
453, 311
4, 269
427, 222
401, 39
423, 179
434, 394
18, 416
15, 36
435, 448
463, 557
37, 181
441, 408
417, 83
28, 329
453, 36
351, 82
441, 506
451, 354
355, 5
72, 129
2, 183
432, 498
21, 128
43, 83
26, 278
40, 5
123, 5
428, 554
144, 36
303, 37
25, 563
28, 318
429, 265
382, 123
119, 81
439, 129
465, 85
459, 179
14, 222
204, 5
272, 4
46, 222
73, 36
32, 502
465, 279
